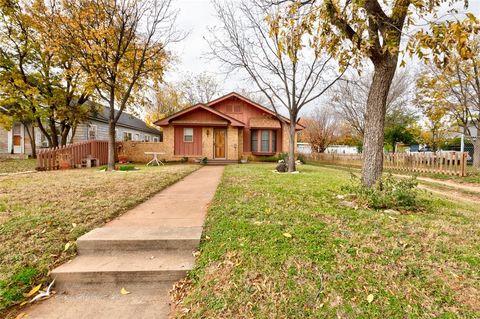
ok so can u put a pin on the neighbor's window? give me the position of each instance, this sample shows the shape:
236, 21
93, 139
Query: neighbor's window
137, 137
127, 136
147, 138
92, 132
188, 134
155, 139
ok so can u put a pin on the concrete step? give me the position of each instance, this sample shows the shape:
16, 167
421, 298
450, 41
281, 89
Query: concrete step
221, 162
107, 303
148, 267
112, 239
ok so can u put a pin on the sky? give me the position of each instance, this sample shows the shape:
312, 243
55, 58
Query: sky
195, 17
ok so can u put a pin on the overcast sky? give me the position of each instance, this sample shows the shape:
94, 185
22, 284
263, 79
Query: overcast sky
195, 16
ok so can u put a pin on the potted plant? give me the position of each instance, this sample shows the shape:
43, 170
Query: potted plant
243, 160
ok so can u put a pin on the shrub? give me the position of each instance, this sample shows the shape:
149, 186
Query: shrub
301, 158
126, 168
388, 193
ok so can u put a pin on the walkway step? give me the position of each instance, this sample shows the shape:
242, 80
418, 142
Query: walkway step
122, 239
149, 267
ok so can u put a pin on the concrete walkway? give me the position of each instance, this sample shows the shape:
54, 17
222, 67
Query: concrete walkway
144, 251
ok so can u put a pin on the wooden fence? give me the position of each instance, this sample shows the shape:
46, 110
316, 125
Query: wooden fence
73, 155
447, 163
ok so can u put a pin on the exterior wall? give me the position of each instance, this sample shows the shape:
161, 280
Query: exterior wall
4, 141
240, 143
135, 151
102, 132
193, 148
207, 142
243, 111
232, 143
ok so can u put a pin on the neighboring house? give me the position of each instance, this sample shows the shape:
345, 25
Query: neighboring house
17, 141
227, 128
306, 148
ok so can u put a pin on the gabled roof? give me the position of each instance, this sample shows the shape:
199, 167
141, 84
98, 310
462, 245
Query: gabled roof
102, 114
167, 120
255, 104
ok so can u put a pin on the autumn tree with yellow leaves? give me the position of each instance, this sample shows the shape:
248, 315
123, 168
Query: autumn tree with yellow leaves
355, 31
121, 45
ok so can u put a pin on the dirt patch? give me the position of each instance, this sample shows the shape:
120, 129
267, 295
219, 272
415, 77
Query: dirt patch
451, 194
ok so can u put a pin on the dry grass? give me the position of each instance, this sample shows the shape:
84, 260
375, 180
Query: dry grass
40, 213
17, 165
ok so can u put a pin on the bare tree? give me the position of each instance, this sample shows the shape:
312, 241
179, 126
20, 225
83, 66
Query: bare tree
321, 128
279, 61
200, 88
122, 47
350, 95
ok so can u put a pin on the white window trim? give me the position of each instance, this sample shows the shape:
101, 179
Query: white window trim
184, 134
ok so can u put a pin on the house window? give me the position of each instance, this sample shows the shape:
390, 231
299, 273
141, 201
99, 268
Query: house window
147, 138
137, 137
188, 134
254, 140
264, 141
265, 146
92, 132
155, 139
127, 136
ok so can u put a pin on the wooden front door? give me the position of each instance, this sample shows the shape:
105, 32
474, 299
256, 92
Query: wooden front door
220, 137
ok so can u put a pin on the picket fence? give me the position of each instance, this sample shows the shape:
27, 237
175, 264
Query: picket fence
446, 163
72, 155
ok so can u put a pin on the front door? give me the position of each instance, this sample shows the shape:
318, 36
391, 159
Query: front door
219, 142
17, 138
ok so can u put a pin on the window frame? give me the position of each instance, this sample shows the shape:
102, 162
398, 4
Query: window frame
185, 134
257, 141
89, 129
128, 135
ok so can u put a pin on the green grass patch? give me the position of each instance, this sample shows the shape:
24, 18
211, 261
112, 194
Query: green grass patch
285, 246
40, 213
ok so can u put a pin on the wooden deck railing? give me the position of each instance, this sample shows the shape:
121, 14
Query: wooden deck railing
447, 163
72, 155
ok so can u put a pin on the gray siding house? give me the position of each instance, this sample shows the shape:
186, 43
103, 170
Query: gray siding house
129, 127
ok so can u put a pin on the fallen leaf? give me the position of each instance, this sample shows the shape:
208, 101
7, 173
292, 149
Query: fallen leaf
34, 290
370, 298
124, 291
74, 225
207, 237
287, 235
23, 303
20, 315
67, 245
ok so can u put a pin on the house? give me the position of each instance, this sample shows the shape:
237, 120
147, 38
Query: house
228, 128
17, 141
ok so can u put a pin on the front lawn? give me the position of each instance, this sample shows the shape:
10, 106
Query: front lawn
8, 165
283, 246
42, 214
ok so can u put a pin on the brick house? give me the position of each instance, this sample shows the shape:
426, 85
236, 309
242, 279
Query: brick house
225, 129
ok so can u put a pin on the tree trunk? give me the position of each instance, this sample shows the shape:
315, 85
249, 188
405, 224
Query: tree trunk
53, 132
476, 152
291, 147
111, 145
31, 136
375, 120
